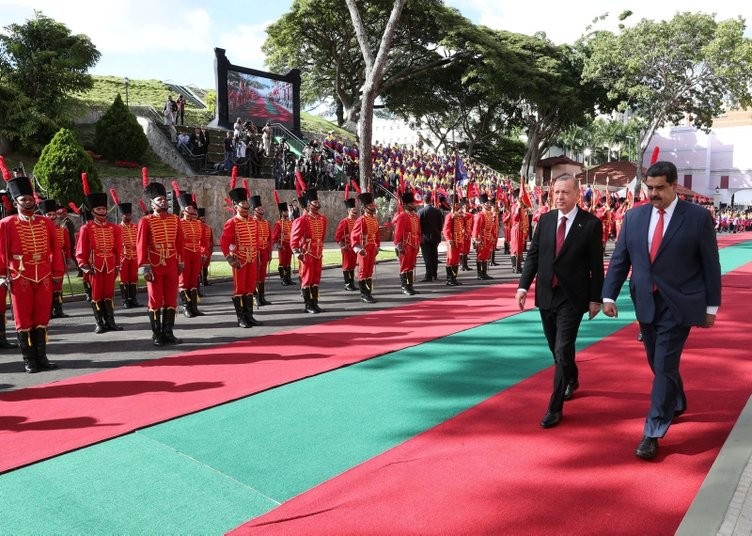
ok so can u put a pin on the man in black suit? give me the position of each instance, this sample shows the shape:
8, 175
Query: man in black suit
431, 225
671, 248
566, 260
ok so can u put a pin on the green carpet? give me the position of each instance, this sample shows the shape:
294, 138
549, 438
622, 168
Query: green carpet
211, 471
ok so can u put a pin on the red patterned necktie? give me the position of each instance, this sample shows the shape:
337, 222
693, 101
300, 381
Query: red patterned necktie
657, 235
561, 232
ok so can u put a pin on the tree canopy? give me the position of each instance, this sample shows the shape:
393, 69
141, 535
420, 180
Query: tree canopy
663, 71
60, 166
41, 64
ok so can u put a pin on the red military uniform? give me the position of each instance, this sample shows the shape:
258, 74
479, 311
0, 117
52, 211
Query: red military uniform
159, 250
342, 237
485, 232
454, 233
469, 220
307, 243
128, 261
32, 257
98, 252
407, 235
6, 209
207, 249
281, 242
239, 245
518, 236
365, 241
264, 249
48, 207
194, 243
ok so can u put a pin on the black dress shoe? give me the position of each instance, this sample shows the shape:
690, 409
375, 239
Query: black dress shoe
551, 418
648, 448
569, 391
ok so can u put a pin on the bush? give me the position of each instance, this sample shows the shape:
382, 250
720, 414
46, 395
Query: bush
60, 166
118, 135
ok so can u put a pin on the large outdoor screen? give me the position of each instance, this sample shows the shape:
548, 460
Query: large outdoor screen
259, 99
255, 96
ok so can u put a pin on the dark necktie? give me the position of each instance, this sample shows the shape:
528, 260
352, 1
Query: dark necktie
561, 232
657, 235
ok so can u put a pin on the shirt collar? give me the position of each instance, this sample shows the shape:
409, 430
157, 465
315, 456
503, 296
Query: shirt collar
570, 215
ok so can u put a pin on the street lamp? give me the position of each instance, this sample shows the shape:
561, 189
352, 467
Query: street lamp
587, 152
126, 90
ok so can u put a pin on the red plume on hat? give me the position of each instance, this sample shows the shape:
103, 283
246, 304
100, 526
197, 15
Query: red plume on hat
299, 180
176, 188
142, 206
73, 207
234, 177
7, 205
276, 197
245, 185
144, 176
114, 196
193, 198
229, 205
654, 157
85, 183
356, 186
347, 190
4, 169
298, 189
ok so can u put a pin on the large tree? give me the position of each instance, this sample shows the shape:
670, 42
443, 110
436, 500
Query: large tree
667, 71
318, 37
41, 65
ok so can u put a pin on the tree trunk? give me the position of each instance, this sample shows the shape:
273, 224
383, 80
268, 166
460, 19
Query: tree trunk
373, 76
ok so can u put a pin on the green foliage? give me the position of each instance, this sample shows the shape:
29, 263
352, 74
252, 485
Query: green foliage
118, 135
59, 168
41, 63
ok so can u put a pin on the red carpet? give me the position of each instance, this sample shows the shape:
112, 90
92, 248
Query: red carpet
493, 470
40, 422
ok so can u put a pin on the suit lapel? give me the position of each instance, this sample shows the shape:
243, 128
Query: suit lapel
677, 219
574, 230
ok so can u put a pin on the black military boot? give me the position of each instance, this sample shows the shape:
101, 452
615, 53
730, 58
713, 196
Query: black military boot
282, 279
518, 269
479, 270
403, 283
351, 281
168, 322
315, 298
125, 294
39, 336
346, 277
185, 304
237, 301
100, 326
465, 267
451, 281
133, 295
155, 319
109, 316
288, 275
57, 305
308, 299
455, 270
484, 270
28, 351
5, 344
411, 282
368, 287
364, 296
205, 276
194, 303
261, 290
87, 290
514, 263
248, 311
493, 258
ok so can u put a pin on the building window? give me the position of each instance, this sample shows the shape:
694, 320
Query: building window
688, 181
724, 182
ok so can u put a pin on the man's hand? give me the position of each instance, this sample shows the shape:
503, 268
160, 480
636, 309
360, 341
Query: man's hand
609, 309
181, 267
520, 297
595, 308
709, 321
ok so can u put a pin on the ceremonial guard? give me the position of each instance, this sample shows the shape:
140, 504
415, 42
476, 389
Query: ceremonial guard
307, 243
98, 250
281, 242
31, 258
407, 236
518, 239
469, 216
208, 248
49, 207
128, 261
454, 232
342, 237
485, 229
6, 209
239, 245
194, 242
264, 248
365, 241
159, 250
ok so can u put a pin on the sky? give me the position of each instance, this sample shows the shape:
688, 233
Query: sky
174, 40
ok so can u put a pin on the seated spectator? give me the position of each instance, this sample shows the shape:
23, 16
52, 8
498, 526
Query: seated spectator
183, 143
197, 142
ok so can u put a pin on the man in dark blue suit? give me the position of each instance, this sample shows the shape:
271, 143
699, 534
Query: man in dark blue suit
670, 246
566, 260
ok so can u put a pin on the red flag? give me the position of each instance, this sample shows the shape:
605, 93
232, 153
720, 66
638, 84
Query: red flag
85, 183
299, 180
114, 196
144, 177
356, 186
524, 196
4, 169
654, 157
